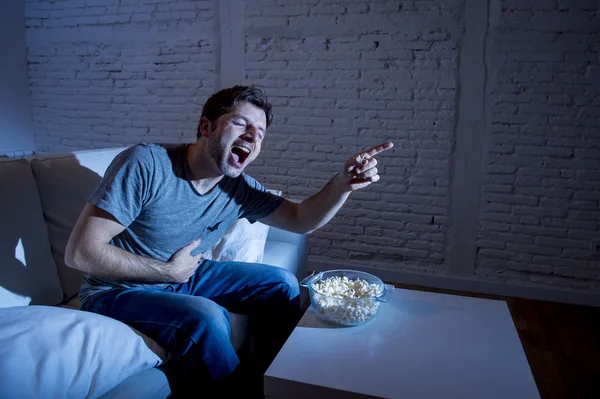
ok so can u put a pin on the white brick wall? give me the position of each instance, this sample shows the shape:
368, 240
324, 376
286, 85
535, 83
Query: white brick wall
541, 187
344, 75
348, 75
106, 73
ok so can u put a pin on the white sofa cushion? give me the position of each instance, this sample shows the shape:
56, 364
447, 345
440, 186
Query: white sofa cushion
27, 270
242, 242
64, 182
52, 352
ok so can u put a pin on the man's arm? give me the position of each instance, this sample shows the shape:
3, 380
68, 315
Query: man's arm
89, 250
314, 212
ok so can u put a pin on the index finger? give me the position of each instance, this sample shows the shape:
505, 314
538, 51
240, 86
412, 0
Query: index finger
376, 149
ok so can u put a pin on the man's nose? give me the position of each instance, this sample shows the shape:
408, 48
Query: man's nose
251, 134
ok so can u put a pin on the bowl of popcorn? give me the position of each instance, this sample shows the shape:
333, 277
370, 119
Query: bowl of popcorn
345, 297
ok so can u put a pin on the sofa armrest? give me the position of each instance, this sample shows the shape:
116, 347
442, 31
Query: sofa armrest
276, 234
299, 243
290, 251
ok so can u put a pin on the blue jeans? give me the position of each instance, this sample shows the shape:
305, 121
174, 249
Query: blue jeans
191, 320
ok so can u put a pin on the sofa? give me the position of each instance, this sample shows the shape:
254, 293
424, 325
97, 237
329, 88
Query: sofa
48, 346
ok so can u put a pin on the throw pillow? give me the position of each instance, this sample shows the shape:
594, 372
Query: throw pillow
47, 351
243, 241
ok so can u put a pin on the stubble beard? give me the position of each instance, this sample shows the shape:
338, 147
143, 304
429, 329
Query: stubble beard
221, 155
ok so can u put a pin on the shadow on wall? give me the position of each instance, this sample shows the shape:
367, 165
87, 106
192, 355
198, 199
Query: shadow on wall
33, 236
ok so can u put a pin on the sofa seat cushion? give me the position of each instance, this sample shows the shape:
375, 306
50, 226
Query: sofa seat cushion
47, 350
149, 384
27, 270
239, 329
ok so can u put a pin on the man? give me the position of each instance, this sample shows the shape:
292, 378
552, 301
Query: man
140, 240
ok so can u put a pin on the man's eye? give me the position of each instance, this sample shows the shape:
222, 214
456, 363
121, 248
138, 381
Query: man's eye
239, 122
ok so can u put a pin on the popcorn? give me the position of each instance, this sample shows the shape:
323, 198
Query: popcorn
348, 302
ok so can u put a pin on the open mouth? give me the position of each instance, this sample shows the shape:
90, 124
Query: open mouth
240, 154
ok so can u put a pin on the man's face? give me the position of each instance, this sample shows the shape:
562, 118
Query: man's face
235, 138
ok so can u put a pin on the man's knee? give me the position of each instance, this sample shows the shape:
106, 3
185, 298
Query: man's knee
207, 319
286, 281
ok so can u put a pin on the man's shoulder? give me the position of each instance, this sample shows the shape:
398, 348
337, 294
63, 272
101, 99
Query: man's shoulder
139, 150
151, 151
243, 180
247, 178
154, 148
247, 183
255, 184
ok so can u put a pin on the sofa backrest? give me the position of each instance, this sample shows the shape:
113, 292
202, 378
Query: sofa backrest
64, 182
27, 271
47, 194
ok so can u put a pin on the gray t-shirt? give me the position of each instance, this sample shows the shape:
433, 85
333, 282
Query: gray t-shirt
146, 188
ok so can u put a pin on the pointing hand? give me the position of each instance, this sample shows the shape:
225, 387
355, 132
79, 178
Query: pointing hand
359, 170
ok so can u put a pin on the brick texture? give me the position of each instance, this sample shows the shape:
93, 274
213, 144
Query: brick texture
541, 188
344, 75
107, 73
348, 75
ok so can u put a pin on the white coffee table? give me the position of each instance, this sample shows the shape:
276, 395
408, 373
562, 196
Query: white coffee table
420, 345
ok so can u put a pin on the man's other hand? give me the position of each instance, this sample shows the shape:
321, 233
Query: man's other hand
183, 263
360, 169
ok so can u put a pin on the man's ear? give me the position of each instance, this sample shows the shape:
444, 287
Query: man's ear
205, 126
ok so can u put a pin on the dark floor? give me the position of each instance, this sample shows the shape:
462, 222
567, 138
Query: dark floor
561, 341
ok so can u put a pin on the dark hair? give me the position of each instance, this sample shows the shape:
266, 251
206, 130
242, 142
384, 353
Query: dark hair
225, 100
